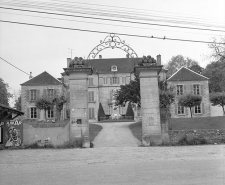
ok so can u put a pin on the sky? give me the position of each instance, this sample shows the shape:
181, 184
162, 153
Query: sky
38, 49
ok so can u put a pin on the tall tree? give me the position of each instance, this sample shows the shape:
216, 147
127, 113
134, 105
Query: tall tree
130, 112
215, 71
101, 112
218, 49
17, 104
45, 103
189, 100
196, 68
4, 93
218, 98
176, 62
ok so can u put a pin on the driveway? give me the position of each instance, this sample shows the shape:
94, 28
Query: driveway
116, 134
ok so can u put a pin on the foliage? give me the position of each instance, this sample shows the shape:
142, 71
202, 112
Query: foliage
59, 101
218, 98
192, 141
45, 103
101, 112
189, 100
17, 104
218, 49
196, 68
130, 111
176, 62
131, 93
4, 93
215, 71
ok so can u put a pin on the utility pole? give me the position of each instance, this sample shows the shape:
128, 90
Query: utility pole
71, 52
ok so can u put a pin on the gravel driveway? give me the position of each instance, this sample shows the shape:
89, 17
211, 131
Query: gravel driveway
116, 134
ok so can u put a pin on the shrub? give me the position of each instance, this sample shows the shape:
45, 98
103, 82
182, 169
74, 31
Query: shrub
101, 112
130, 112
193, 141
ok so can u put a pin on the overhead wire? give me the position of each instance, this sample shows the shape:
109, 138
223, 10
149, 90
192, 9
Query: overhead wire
115, 20
14, 66
98, 12
105, 32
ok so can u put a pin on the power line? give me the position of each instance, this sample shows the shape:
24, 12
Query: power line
115, 20
105, 12
105, 23
14, 66
95, 31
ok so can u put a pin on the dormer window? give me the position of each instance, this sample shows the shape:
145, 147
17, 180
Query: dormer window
113, 68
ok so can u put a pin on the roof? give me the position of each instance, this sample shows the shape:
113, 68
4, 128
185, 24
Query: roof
124, 65
185, 74
41, 79
6, 111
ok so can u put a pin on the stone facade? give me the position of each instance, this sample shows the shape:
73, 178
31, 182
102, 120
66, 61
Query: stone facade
197, 84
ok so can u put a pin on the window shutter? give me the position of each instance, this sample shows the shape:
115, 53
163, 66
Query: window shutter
106, 80
44, 92
203, 108
28, 95
89, 113
93, 113
118, 80
54, 112
38, 113
192, 89
92, 96
89, 96
38, 94
201, 89
28, 113
184, 89
110, 80
175, 109
55, 92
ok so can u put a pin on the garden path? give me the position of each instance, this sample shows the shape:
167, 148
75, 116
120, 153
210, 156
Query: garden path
115, 134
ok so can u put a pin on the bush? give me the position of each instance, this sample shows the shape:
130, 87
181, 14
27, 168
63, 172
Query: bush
101, 112
193, 141
130, 111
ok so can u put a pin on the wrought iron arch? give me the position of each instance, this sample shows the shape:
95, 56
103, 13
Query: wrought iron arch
112, 41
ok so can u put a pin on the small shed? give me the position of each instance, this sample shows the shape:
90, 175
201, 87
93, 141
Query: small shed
11, 129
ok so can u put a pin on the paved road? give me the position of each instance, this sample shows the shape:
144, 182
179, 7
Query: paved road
116, 134
188, 165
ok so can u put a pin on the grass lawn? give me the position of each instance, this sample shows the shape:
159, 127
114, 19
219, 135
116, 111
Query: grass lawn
94, 130
136, 129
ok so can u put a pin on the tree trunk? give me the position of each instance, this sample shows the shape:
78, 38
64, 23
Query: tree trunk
45, 115
223, 111
190, 112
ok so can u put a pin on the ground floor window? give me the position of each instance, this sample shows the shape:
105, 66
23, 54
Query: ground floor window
91, 113
50, 114
198, 109
33, 112
180, 110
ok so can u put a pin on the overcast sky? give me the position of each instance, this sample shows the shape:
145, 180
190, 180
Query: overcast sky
37, 49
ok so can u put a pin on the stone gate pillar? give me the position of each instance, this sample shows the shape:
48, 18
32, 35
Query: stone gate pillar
78, 72
148, 71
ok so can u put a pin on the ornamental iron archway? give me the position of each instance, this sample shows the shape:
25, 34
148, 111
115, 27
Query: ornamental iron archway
112, 41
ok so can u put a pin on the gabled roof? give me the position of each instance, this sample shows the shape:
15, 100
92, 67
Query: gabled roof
124, 65
41, 79
185, 74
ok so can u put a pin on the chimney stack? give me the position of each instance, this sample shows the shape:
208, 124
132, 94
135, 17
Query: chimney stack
100, 56
68, 61
158, 60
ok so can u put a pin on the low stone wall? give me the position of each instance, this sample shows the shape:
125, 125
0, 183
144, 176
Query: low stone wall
55, 135
211, 135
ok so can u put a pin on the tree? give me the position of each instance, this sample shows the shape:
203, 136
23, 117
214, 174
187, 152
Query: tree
17, 104
196, 68
101, 112
218, 49
215, 71
189, 100
45, 103
218, 98
176, 62
131, 93
59, 101
130, 112
4, 93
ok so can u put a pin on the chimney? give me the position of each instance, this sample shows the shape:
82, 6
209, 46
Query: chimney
68, 62
30, 75
100, 56
127, 55
158, 60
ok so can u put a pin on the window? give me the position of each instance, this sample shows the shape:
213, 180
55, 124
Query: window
180, 90
114, 68
50, 92
50, 114
33, 94
91, 96
123, 80
33, 112
196, 89
115, 80
198, 109
180, 110
105, 80
90, 81
91, 113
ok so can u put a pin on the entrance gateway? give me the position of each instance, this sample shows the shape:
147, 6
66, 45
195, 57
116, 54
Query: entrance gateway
148, 70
